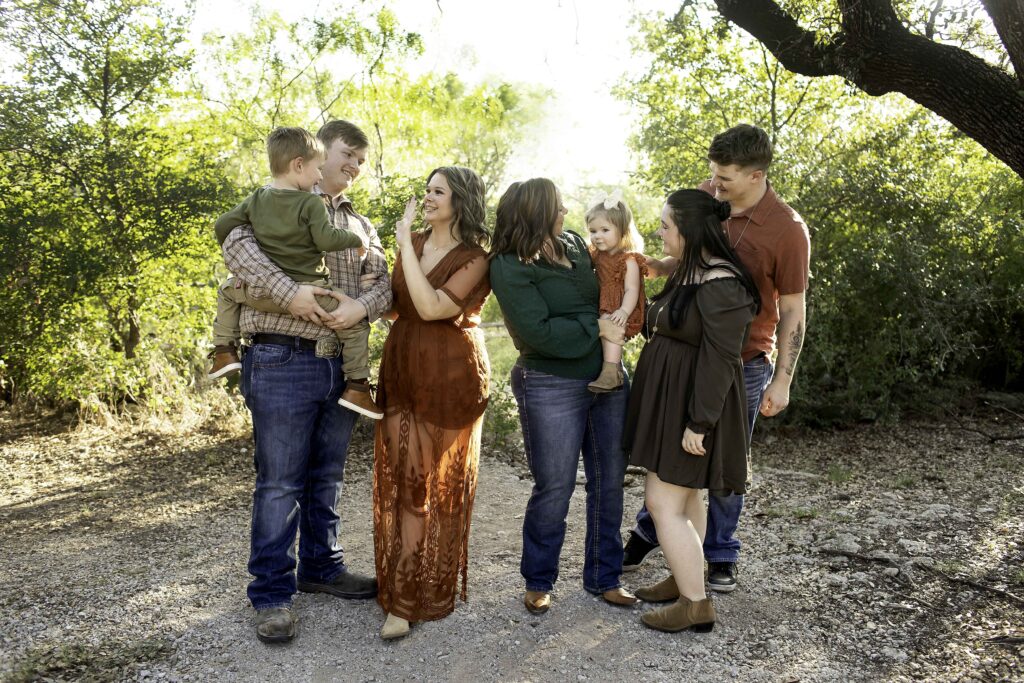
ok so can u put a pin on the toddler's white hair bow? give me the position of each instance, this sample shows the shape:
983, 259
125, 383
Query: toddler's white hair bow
607, 201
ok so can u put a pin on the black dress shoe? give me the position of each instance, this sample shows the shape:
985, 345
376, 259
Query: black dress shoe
347, 585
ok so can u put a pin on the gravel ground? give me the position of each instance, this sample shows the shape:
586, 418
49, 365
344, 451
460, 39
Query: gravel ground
124, 549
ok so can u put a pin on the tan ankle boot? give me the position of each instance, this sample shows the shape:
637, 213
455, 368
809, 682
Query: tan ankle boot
663, 591
610, 379
681, 615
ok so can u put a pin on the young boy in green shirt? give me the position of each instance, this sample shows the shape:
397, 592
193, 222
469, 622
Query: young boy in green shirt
293, 229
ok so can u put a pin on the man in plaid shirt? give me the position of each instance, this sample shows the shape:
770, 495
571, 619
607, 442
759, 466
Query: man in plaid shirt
291, 381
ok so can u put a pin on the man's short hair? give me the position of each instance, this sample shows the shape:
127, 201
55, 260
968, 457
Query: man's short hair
744, 145
285, 144
351, 134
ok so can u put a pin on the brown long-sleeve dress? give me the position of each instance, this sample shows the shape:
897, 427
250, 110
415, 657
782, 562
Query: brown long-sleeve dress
692, 376
434, 383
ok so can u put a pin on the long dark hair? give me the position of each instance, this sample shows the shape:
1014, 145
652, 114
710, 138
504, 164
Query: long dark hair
525, 221
468, 206
699, 216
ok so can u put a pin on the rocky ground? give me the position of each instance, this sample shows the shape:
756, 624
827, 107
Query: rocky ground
877, 553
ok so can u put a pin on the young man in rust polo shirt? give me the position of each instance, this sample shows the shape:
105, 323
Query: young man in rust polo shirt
773, 243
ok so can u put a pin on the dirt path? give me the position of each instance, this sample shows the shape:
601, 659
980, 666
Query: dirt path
123, 558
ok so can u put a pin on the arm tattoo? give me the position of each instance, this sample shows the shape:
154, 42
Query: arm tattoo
796, 339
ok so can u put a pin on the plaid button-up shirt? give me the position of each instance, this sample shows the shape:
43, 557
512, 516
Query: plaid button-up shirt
246, 260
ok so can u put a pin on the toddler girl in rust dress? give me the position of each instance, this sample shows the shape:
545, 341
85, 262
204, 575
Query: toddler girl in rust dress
617, 253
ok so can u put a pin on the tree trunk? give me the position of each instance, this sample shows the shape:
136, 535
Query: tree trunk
131, 342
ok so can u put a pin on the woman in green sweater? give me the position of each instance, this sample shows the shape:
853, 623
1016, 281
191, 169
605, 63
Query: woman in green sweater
545, 283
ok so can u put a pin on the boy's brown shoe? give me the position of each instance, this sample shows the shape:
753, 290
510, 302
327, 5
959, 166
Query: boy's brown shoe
225, 361
357, 397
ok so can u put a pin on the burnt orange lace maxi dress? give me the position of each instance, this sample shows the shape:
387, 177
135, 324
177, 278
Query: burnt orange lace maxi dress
434, 383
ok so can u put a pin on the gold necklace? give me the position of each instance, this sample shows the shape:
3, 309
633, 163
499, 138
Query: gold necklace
436, 249
653, 330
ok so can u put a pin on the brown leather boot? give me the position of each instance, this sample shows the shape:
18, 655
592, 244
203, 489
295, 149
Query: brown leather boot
610, 379
619, 596
357, 397
681, 615
663, 591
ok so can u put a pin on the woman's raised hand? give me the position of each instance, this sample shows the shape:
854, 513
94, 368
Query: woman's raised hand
403, 228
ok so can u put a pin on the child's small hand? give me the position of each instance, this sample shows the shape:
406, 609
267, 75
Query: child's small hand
403, 228
619, 317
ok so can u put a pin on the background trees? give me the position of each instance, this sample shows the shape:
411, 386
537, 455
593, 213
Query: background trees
948, 57
917, 233
104, 209
120, 144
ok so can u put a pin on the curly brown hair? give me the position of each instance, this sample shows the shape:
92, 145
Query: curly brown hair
468, 204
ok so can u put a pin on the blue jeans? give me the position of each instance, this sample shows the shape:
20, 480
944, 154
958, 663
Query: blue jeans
301, 436
560, 418
723, 511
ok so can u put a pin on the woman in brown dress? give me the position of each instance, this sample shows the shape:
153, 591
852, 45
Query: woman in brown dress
434, 383
687, 419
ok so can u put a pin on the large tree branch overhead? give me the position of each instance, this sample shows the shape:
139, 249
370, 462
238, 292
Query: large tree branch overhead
875, 51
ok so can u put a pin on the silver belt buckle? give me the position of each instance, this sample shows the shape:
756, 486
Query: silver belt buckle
328, 347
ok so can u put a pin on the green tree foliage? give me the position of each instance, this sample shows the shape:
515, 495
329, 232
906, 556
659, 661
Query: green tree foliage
885, 46
120, 147
104, 201
349, 65
917, 246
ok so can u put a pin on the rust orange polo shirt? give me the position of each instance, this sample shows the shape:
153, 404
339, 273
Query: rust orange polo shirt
775, 246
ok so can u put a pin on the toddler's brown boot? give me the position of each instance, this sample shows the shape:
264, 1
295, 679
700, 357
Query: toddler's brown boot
610, 379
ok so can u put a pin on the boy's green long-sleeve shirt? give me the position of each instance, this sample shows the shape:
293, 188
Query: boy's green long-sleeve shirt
293, 230
551, 311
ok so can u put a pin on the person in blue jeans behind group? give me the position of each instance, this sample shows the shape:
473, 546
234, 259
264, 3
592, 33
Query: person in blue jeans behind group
772, 242
547, 288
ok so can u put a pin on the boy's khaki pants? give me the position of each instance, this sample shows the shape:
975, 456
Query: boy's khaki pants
233, 294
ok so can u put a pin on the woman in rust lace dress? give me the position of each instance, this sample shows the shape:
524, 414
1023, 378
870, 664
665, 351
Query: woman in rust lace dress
434, 383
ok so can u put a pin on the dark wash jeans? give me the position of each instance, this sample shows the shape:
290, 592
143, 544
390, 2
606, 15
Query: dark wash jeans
561, 418
301, 436
723, 511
